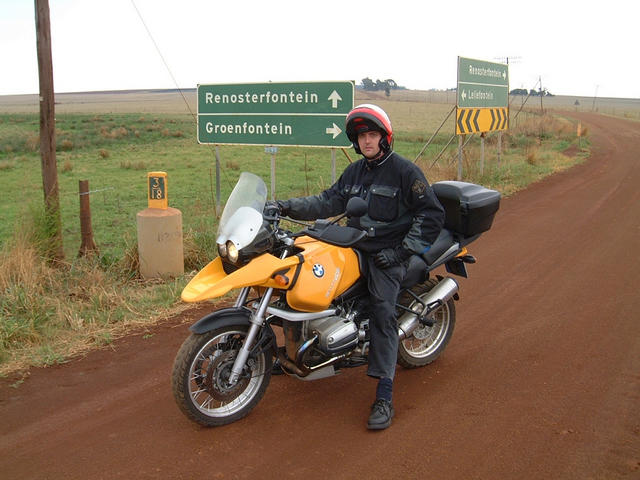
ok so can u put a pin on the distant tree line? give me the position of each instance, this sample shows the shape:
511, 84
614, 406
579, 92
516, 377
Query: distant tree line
385, 85
533, 93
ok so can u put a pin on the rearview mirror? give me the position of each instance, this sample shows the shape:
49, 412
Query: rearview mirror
357, 207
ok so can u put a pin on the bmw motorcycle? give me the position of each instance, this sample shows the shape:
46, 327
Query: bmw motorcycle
311, 285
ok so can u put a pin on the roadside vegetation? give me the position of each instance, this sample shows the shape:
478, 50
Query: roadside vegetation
51, 312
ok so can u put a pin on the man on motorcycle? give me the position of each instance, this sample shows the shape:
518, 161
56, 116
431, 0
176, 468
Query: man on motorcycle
404, 218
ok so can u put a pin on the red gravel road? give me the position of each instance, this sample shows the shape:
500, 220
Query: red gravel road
540, 381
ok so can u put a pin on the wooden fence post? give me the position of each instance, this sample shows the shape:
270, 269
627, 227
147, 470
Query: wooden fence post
88, 245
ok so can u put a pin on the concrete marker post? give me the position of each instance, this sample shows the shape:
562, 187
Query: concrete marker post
160, 244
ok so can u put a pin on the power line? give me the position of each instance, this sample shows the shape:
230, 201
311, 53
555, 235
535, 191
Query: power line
163, 60
195, 119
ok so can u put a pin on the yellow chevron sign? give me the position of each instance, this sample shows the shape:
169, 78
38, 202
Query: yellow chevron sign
472, 120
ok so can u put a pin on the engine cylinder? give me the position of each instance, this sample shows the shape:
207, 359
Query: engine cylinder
335, 334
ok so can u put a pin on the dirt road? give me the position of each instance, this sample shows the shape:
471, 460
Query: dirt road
540, 381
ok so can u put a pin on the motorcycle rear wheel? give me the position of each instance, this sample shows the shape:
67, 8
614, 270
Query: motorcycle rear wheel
201, 370
426, 343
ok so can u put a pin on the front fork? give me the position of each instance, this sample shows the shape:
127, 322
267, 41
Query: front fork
256, 320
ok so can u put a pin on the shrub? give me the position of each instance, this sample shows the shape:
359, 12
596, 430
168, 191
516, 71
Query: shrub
6, 165
32, 143
65, 145
67, 166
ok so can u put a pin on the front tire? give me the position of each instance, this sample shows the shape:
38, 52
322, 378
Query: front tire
426, 343
201, 370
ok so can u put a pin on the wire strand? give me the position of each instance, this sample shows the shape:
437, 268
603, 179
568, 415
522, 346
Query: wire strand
163, 60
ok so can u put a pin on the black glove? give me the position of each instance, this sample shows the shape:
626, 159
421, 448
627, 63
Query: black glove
272, 209
390, 257
284, 207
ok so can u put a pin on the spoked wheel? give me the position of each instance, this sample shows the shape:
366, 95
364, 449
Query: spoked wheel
426, 343
201, 373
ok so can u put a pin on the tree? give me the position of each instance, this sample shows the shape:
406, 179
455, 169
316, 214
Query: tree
368, 84
386, 85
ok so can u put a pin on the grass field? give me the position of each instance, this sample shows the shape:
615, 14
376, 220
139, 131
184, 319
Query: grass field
112, 140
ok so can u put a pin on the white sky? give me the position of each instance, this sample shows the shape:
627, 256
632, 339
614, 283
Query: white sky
578, 48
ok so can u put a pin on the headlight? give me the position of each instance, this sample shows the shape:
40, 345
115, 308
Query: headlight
222, 250
232, 252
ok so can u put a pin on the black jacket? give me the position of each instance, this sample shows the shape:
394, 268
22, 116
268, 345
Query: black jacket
403, 210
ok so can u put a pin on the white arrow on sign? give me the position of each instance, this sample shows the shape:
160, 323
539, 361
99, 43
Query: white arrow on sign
335, 98
464, 95
335, 130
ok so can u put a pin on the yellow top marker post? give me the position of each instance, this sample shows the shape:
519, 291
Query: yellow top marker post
157, 193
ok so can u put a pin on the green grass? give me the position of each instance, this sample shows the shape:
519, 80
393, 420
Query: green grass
50, 312
115, 152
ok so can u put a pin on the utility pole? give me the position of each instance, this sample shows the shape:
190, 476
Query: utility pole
48, 129
541, 95
593, 107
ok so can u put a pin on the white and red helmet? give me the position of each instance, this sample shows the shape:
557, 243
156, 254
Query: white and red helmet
367, 117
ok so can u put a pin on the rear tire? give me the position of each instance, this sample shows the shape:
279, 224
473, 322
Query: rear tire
201, 370
426, 343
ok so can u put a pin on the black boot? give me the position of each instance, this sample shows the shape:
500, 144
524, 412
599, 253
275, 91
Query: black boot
276, 369
381, 415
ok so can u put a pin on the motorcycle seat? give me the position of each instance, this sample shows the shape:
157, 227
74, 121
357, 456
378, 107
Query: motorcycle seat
416, 269
443, 243
416, 272
419, 265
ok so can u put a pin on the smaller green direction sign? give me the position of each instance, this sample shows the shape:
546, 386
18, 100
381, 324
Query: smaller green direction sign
482, 84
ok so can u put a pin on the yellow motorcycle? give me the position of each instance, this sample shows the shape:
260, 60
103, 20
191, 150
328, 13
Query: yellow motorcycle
310, 284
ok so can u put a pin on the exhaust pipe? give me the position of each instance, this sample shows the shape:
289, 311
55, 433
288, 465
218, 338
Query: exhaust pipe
432, 301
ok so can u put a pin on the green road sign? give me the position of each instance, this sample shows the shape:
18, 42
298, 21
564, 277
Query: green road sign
482, 84
302, 114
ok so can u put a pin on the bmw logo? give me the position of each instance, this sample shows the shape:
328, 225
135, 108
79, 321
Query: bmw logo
318, 270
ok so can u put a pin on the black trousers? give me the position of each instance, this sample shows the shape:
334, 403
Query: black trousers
384, 286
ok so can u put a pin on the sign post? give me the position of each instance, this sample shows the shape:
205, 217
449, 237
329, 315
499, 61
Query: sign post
482, 100
483, 96
308, 114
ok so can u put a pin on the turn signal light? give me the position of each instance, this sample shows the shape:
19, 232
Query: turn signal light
281, 280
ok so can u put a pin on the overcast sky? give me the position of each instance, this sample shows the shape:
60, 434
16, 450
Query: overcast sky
581, 48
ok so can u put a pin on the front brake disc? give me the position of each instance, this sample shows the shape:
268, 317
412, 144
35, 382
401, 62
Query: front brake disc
217, 378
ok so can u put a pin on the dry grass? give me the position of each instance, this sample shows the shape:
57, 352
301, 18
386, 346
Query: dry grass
51, 313
67, 166
6, 164
133, 165
114, 133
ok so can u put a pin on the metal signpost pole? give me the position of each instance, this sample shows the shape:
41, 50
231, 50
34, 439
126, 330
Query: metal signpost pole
460, 148
272, 151
482, 154
333, 166
218, 209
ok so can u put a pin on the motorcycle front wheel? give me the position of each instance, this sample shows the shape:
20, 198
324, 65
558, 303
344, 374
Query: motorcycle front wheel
426, 343
200, 377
